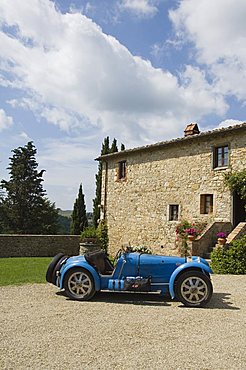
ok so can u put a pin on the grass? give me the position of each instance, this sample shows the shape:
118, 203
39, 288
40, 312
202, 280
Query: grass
23, 270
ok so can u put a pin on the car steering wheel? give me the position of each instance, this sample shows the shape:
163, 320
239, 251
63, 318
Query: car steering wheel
122, 250
118, 254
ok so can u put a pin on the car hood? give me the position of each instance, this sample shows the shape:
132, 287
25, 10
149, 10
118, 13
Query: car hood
145, 258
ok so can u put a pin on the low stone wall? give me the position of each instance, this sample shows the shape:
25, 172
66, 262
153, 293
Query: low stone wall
38, 245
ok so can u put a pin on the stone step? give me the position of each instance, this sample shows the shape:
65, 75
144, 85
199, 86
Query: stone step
239, 229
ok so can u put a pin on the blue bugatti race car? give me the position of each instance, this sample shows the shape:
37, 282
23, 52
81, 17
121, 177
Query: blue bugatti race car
187, 279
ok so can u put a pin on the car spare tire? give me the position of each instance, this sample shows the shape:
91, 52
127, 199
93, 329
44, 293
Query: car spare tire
57, 268
52, 265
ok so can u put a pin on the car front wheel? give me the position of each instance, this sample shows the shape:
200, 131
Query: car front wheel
79, 284
194, 289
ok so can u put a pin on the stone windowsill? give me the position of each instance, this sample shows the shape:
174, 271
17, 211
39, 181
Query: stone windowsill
221, 168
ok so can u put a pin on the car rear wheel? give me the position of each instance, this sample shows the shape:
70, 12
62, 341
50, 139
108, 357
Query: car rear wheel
194, 289
79, 284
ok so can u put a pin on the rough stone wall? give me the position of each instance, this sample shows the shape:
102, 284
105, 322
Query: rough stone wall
205, 242
38, 245
137, 209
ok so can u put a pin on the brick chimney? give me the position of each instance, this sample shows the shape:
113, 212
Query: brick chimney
191, 129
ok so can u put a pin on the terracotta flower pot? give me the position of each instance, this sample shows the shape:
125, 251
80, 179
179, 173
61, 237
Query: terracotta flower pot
221, 241
89, 240
191, 237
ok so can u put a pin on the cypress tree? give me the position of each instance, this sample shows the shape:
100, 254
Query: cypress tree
24, 207
114, 147
97, 200
106, 149
79, 218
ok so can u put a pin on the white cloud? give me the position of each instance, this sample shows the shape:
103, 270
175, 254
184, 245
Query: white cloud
74, 75
217, 30
24, 135
141, 8
69, 162
198, 86
230, 122
5, 121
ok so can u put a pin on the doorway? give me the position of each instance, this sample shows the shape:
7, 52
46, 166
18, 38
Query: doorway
239, 212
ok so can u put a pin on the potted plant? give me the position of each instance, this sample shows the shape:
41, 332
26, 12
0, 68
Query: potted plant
221, 238
89, 235
89, 241
186, 231
192, 233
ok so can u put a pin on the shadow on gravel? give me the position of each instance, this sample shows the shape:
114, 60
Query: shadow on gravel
129, 298
219, 301
133, 298
222, 301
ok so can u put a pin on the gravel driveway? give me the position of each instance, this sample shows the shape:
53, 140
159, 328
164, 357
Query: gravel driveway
41, 329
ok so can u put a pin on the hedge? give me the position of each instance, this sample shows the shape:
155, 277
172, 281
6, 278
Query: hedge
230, 260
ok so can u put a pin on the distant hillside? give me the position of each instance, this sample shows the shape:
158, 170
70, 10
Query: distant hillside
66, 213
64, 221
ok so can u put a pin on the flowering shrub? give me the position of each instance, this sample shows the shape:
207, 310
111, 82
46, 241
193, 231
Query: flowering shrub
180, 229
192, 231
184, 229
221, 235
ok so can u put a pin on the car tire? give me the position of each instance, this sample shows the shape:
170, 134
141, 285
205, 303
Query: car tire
51, 267
194, 289
57, 268
79, 284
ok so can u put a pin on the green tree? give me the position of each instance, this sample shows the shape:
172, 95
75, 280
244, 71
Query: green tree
63, 225
236, 181
106, 149
24, 207
97, 200
79, 218
1, 212
114, 147
102, 232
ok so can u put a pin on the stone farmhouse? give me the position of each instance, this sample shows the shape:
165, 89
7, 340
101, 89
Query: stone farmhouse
147, 191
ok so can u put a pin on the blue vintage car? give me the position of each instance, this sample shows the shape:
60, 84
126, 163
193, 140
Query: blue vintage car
185, 279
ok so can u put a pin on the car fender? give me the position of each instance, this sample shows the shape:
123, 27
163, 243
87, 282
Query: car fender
184, 267
87, 267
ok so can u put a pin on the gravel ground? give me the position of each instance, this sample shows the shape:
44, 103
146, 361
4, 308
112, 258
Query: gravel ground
41, 329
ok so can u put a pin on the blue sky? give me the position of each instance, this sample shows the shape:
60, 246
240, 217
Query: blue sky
73, 72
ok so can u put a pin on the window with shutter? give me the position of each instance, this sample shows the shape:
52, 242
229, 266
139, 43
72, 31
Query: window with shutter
221, 156
206, 203
122, 170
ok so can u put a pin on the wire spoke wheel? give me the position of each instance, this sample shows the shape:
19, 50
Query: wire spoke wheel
79, 284
194, 289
